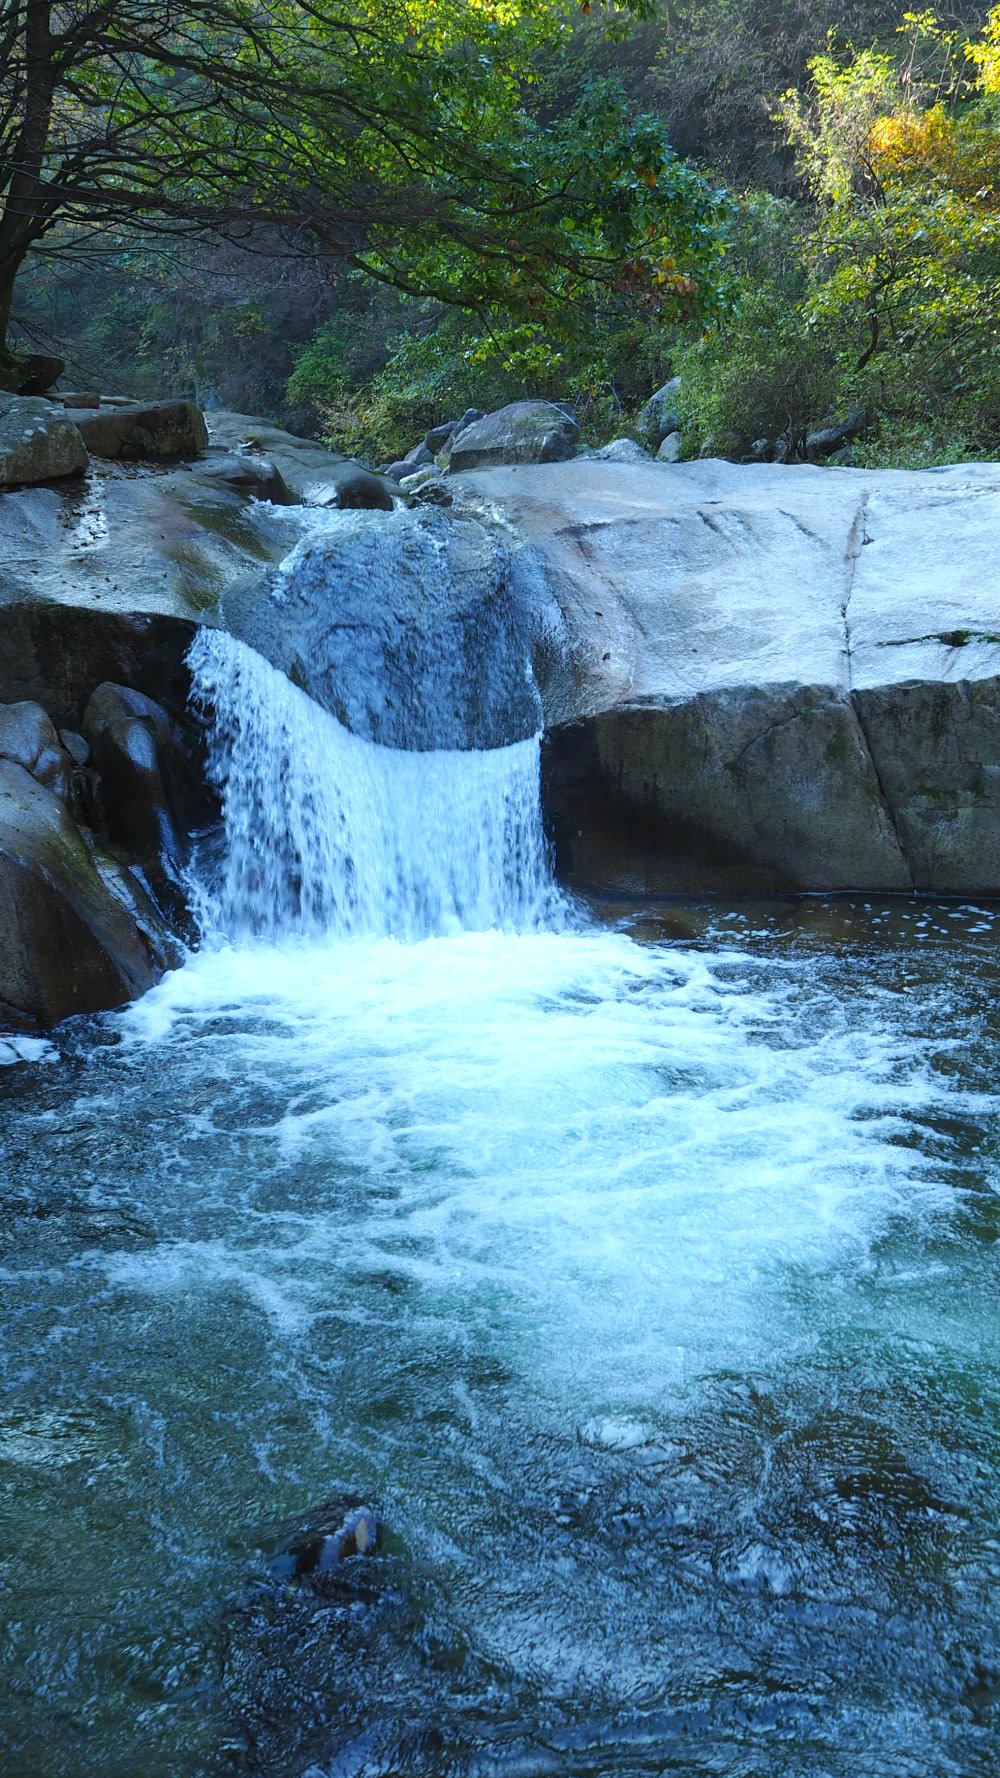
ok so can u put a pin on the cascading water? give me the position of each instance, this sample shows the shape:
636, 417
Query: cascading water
328, 833
646, 1286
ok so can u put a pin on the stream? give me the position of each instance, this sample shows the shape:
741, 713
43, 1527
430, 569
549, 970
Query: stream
637, 1266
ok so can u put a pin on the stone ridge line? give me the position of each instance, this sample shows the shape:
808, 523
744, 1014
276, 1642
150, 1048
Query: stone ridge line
857, 537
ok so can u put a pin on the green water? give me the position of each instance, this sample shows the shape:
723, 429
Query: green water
644, 1277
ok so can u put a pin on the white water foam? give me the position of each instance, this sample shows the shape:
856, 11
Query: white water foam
328, 834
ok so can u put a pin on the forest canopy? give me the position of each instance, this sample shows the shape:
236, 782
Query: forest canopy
390, 136
360, 217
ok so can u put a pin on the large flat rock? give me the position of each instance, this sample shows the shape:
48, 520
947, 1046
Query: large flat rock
765, 677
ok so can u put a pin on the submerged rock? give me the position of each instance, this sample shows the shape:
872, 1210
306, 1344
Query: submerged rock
332, 1536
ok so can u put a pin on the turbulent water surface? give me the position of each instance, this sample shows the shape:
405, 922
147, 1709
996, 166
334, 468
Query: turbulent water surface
641, 1273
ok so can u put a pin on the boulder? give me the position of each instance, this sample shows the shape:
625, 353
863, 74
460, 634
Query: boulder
524, 432
247, 472
155, 429
79, 398
419, 479
407, 630
827, 441
670, 449
659, 416
312, 474
28, 373
760, 678
30, 739
54, 655
67, 944
622, 450
363, 492
38, 442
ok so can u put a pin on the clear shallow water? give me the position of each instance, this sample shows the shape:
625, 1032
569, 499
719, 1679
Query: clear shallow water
648, 1287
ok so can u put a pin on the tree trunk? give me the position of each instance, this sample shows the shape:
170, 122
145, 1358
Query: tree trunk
21, 373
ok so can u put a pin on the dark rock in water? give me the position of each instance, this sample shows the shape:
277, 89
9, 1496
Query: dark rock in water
431, 493
67, 944
129, 736
363, 492
331, 1537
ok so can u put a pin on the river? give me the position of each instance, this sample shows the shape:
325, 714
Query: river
638, 1266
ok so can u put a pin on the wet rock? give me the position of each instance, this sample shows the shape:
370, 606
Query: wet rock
406, 629
130, 735
55, 655
30, 739
38, 442
67, 945
332, 1537
249, 473
524, 432
432, 492
362, 491
157, 430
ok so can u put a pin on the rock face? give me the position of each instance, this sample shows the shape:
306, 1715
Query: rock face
29, 739
766, 678
406, 628
38, 442
67, 942
133, 432
524, 432
131, 738
312, 475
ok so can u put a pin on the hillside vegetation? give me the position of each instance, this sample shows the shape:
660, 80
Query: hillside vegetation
808, 232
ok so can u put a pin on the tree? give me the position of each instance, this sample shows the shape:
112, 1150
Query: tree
391, 133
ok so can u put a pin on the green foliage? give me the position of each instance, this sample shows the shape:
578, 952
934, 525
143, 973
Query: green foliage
395, 135
891, 300
762, 371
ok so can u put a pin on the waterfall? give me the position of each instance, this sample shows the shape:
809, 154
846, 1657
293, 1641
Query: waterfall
326, 833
